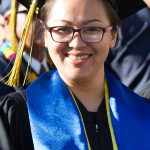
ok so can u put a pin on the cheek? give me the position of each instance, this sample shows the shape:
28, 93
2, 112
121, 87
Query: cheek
107, 43
54, 48
103, 53
55, 54
101, 48
56, 51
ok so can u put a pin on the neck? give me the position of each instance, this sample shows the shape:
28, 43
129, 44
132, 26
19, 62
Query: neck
90, 93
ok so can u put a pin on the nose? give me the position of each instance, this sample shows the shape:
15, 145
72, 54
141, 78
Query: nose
77, 42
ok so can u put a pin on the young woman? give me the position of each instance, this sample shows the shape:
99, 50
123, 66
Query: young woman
80, 105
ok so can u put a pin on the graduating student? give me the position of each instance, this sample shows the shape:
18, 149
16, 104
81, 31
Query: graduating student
130, 59
79, 105
4, 6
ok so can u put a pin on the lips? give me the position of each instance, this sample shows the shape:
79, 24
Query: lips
78, 59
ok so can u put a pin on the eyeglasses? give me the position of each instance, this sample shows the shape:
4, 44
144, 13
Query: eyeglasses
63, 34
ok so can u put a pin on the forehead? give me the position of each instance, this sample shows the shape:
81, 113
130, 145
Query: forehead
77, 10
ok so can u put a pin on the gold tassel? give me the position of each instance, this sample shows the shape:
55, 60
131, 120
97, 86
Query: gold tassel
13, 25
27, 70
15, 72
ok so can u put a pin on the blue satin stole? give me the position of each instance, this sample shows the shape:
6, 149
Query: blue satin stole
56, 123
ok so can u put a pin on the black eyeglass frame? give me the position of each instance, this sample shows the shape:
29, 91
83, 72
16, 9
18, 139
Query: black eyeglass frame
49, 29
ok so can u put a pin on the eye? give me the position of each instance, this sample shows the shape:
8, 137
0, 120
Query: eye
92, 30
62, 30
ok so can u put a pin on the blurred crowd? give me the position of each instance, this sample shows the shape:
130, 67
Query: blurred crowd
11, 28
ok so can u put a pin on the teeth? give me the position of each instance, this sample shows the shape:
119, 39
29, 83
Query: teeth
78, 57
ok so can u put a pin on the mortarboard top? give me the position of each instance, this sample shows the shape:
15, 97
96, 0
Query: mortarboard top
27, 3
124, 8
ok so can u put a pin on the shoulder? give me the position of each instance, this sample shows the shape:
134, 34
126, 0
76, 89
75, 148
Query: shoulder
5, 89
43, 80
118, 89
14, 123
11, 103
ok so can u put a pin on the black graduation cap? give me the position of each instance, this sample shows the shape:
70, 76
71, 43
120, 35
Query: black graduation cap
27, 3
124, 8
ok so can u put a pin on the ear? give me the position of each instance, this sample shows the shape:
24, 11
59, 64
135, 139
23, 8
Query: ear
7, 18
114, 39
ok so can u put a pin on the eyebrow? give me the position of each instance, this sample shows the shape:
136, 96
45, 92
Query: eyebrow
85, 22
90, 21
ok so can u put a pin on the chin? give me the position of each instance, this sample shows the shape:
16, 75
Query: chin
77, 75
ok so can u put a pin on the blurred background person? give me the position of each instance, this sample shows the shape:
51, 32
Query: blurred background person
1, 29
4, 89
130, 59
38, 64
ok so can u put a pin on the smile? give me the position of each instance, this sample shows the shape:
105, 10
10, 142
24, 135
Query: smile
79, 57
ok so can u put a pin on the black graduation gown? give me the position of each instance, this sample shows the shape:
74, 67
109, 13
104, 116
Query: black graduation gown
15, 131
5, 89
97, 128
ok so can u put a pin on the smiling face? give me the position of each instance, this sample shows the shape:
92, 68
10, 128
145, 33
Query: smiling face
78, 60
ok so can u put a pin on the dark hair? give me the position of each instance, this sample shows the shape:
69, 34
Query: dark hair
45, 9
111, 12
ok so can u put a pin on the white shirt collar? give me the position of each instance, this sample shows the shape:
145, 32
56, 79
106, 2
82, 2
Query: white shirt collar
35, 64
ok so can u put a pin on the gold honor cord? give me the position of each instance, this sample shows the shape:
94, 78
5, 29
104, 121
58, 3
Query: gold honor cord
109, 117
89, 147
27, 70
13, 25
14, 77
